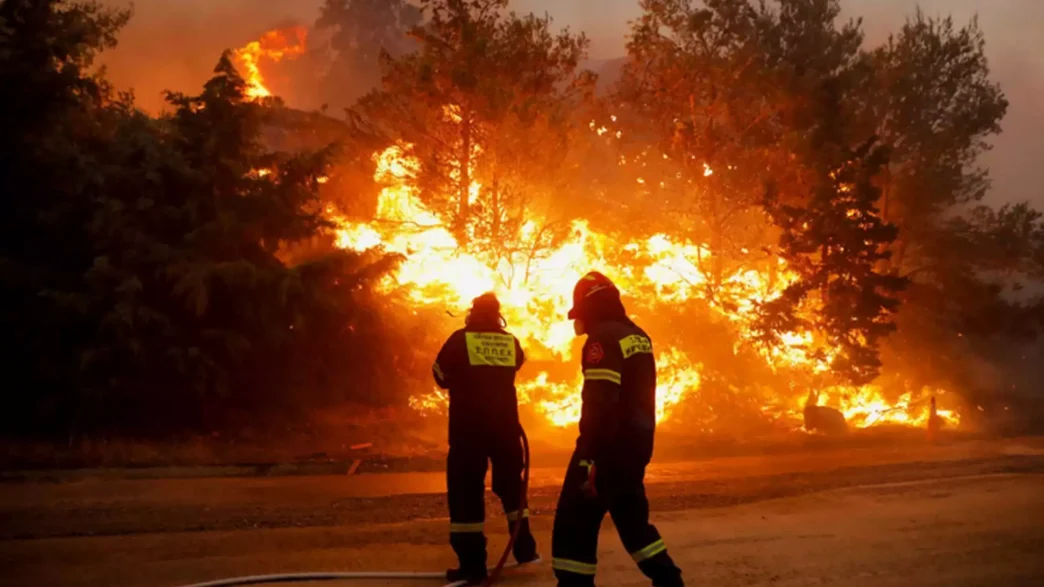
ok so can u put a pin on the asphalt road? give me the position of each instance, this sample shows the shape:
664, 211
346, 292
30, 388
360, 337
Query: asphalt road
963, 514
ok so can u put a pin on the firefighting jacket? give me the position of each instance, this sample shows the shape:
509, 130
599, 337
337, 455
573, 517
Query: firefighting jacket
618, 415
478, 368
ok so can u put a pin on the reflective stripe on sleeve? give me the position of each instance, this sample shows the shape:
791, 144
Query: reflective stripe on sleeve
571, 566
438, 371
649, 551
602, 375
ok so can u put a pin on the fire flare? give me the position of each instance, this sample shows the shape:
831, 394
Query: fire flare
438, 272
273, 46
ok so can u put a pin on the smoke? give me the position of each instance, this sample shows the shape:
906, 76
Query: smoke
175, 45
1012, 29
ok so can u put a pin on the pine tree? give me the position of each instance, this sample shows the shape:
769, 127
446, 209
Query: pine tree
837, 243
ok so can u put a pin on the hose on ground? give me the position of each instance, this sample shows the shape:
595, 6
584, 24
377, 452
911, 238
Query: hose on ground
301, 577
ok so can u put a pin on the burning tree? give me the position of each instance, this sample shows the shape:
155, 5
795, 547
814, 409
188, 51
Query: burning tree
837, 244
672, 199
483, 106
933, 100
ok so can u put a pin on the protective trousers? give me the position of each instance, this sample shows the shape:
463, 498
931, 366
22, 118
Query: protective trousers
574, 541
466, 484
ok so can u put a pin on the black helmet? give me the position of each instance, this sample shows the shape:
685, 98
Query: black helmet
486, 307
589, 285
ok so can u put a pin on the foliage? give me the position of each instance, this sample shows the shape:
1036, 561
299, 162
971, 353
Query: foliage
836, 243
146, 252
484, 104
174, 274
717, 86
932, 100
735, 95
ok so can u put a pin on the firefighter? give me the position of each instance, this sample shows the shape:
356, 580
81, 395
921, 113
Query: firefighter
934, 422
617, 423
478, 365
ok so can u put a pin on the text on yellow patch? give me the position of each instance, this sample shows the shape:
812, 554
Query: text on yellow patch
490, 348
635, 344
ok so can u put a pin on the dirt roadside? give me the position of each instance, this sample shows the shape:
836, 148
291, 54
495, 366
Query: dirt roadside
122, 507
853, 519
966, 531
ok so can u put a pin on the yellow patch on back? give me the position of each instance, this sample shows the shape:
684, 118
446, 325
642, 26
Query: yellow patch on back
634, 344
490, 348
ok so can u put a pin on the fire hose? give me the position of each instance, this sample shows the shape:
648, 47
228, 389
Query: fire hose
361, 575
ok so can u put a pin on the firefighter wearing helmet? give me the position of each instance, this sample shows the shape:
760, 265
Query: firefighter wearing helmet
617, 423
478, 365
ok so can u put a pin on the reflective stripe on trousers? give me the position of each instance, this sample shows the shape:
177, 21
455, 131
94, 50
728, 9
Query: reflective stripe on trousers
571, 566
649, 551
466, 527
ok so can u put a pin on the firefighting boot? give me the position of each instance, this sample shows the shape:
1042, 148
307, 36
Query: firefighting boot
662, 570
524, 548
471, 552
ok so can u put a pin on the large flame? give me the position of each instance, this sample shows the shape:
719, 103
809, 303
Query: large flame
274, 46
439, 272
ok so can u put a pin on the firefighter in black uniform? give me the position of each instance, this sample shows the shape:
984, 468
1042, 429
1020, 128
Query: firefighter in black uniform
617, 423
478, 365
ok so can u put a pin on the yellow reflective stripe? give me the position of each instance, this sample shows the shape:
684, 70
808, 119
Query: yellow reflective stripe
513, 516
649, 551
465, 527
564, 564
602, 375
490, 348
634, 344
438, 371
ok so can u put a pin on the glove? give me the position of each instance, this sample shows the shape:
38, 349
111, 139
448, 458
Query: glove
588, 486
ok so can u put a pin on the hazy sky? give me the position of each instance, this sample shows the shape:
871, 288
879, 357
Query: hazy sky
175, 43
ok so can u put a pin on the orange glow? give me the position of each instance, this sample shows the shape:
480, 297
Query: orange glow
273, 46
437, 272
